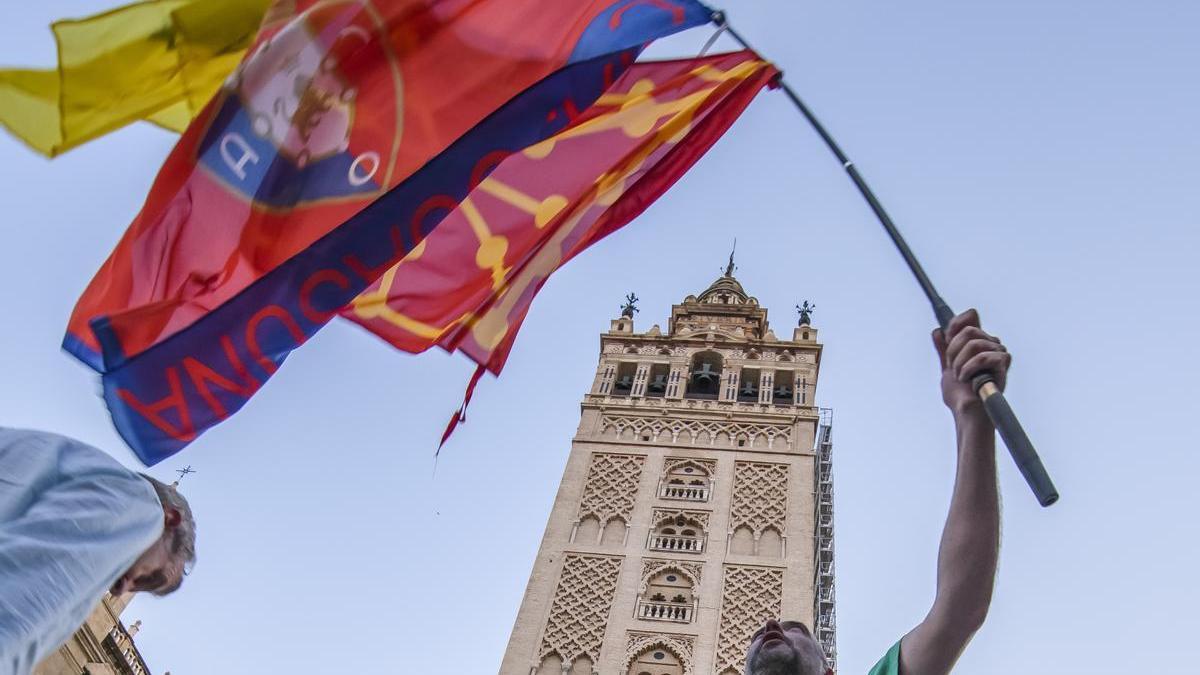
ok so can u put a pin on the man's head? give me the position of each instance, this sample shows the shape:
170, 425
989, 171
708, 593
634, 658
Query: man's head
160, 570
786, 648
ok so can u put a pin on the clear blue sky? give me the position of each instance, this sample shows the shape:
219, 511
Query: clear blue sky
1041, 157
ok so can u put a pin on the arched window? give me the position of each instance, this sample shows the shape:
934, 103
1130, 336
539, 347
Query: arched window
785, 388
614, 533
657, 384
588, 531
704, 378
678, 534
688, 482
667, 596
748, 384
582, 666
770, 544
623, 384
551, 665
742, 542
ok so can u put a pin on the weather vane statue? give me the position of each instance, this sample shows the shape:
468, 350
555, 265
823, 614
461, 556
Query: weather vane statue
806, 311
630, 306
731, 267
182, 474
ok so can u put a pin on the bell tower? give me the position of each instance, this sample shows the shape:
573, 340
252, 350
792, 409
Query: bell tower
696, 502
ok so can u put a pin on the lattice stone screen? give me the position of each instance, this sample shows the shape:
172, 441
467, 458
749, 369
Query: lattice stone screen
611, 486
760, 493
579, 613
749, 596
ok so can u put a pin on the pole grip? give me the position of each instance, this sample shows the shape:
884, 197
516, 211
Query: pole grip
1019, 445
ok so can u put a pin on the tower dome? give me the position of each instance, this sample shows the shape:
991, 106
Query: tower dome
725, 291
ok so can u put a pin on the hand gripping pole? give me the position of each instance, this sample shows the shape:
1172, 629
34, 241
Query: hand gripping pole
1001, 414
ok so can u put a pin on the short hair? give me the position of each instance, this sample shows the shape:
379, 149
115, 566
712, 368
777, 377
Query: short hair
183, 539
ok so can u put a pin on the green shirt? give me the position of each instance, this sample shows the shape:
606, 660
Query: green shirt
890, 663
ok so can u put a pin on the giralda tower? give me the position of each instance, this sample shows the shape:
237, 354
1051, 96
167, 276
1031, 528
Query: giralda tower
696, 502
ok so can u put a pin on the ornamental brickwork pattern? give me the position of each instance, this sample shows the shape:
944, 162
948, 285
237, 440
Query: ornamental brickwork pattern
749, 596
760, 493
579, 613
712, 433
611, 487
708, 466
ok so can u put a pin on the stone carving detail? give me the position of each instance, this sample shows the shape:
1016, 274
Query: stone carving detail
579, 613
672, 463
759, 497
651, 567
656, 405
682, 646
750, 596
611, 487
661, 515
691, 430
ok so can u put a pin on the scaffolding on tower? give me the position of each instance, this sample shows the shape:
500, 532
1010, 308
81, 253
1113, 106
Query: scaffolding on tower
823, 609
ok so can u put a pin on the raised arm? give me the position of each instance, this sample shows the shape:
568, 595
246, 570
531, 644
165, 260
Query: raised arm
971, 539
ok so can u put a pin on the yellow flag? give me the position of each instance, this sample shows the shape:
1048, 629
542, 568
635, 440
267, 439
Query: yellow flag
155, 60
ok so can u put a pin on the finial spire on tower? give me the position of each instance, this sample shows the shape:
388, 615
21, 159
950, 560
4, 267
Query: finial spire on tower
731, 267
182, 473
805, 311
630, 306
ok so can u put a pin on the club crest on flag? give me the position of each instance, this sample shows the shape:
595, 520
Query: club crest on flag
286, 133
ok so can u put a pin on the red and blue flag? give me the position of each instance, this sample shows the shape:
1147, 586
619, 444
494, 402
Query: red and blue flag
351, 132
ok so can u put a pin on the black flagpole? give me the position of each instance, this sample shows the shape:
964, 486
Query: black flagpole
1019, 445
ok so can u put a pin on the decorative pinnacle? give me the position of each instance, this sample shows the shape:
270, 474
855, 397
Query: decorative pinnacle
630, 308
731, 267
805, 311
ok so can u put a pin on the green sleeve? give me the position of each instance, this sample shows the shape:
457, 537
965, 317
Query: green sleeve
890, 663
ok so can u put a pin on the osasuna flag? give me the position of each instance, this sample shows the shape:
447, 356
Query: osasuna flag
345, 137
470, 283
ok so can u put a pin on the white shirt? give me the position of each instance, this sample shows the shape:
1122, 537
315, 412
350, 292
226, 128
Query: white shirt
72, 521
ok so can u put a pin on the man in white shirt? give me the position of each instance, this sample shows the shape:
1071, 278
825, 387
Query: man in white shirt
74, 523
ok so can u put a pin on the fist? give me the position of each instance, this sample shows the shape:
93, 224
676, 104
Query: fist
965, 351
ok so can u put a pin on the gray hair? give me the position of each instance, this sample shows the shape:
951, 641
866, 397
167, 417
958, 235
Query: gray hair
183, 539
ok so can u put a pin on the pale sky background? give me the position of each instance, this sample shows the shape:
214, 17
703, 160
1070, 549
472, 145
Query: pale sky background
1040, 156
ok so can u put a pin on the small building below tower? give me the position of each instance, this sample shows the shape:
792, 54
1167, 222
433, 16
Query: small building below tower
103, 645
